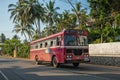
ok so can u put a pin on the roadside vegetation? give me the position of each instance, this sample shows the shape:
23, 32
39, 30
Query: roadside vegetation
22, 48
102, 22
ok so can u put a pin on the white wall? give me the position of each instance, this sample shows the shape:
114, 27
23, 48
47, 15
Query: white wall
105, 49
105, 53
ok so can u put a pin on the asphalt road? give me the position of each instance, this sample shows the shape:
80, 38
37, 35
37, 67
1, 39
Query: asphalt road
21, 69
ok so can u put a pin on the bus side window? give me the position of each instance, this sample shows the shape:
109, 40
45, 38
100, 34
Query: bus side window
54, 42
51, 43
58, 41
36, 46
46, 44
41, 45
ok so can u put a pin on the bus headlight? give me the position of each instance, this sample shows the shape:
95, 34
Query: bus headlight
69, 56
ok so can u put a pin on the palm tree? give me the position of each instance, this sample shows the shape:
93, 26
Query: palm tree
80, 13
51, 13
66, 20
29, 30
27, 12
15, 11
37, 12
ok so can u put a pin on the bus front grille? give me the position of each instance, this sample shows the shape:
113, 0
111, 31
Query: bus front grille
75, 51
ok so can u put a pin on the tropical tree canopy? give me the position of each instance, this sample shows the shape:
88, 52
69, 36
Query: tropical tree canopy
104, 17
25, 14
103, 22
106, 14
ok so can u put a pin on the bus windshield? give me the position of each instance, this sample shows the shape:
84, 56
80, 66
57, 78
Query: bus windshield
73, 40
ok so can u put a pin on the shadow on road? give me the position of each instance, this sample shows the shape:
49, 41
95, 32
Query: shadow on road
27, 70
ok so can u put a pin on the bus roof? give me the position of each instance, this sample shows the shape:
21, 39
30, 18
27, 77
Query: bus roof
47, 37
72, 31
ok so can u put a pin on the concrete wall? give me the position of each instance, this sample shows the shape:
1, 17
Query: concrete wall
105, 53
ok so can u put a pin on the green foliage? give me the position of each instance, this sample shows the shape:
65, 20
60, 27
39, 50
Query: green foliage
105, 28
24, 50
66, 20
49, 31
25, 14
107, 19
117, 19
15, 44
9, 46
93, 36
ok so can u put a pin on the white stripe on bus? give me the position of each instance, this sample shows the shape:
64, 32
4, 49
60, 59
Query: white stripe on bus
69, 47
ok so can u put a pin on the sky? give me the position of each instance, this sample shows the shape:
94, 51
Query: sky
6, 24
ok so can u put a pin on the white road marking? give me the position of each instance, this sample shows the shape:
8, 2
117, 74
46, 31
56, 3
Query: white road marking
4, 75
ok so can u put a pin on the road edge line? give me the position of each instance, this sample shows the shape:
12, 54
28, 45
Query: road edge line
4, 75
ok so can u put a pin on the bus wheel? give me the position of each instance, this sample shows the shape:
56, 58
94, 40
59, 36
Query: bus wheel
75, 64
55, 63
36, 60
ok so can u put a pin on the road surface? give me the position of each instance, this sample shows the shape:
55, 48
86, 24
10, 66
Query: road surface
21, 69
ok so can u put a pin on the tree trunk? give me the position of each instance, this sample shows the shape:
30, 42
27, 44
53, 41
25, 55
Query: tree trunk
101, 38
39, 28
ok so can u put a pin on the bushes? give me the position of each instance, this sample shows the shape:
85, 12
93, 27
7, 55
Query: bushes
22, 49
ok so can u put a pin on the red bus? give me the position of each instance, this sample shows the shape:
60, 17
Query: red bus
67, 46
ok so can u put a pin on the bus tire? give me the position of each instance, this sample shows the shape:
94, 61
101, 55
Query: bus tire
55, 63
75, 64
36, 60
